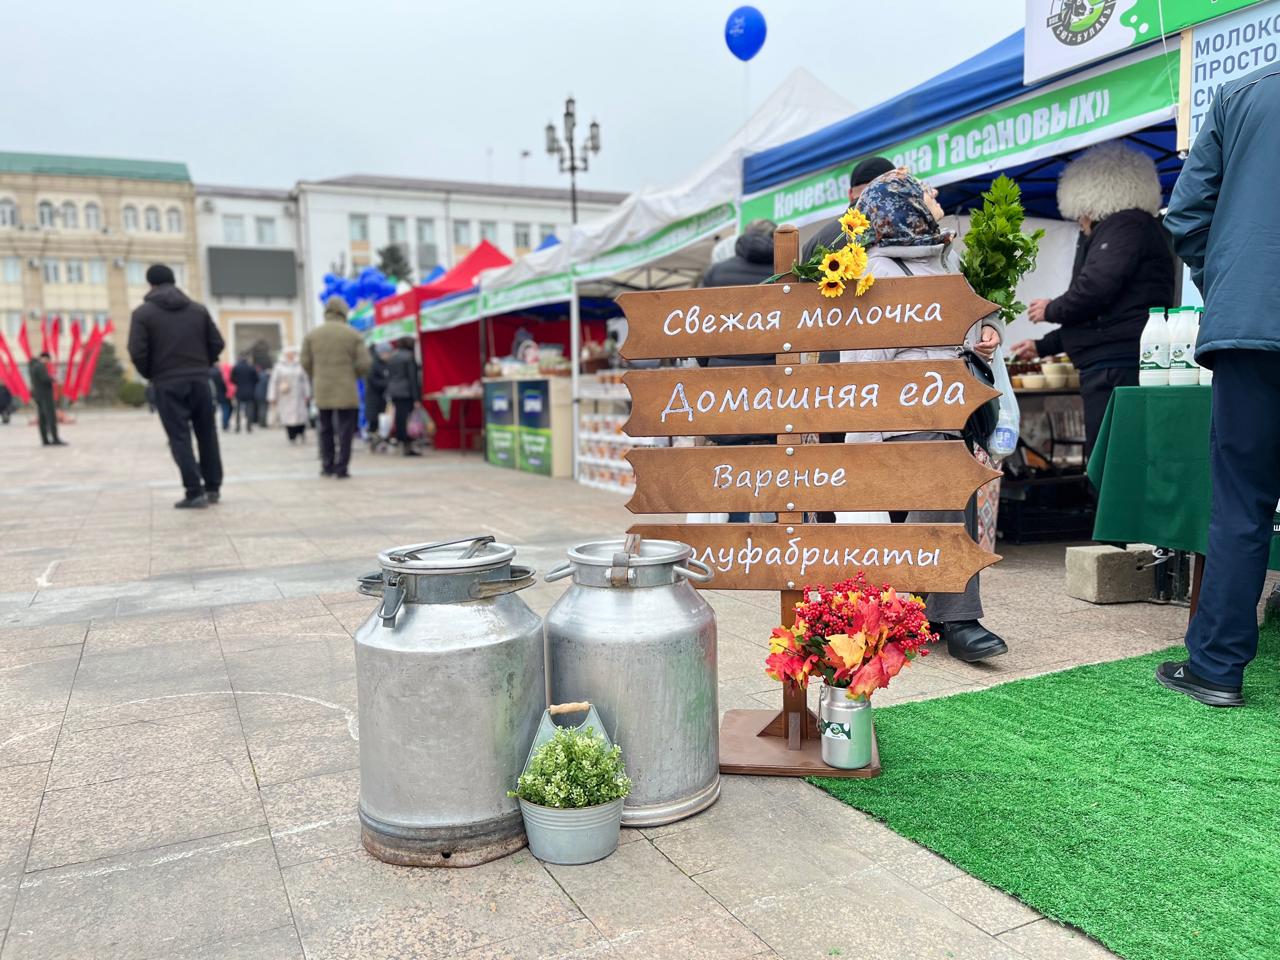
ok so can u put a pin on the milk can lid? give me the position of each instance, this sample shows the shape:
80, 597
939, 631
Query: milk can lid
647, 553
468, 554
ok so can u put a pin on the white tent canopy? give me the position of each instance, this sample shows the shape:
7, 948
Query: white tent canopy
662, 237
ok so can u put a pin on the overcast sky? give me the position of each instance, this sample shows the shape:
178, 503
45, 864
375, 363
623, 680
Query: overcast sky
267, 92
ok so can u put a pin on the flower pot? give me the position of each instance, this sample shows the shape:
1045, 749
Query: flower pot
568, 836
846, 729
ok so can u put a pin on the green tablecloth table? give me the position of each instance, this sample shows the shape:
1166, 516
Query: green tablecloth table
1151, 469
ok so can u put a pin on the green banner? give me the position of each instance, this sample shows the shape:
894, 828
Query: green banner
673, 237
526, 293
1004, 136
450, 313
391, 331
500, 445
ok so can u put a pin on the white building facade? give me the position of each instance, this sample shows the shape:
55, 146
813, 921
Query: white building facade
248, 242
344, 222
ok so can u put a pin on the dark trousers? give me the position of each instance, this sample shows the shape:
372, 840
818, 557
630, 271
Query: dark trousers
295, 432
225, 405
1244, 451
47, 417
186, 407
249, 410
374, 404
1095, 390
403, 409
335, 429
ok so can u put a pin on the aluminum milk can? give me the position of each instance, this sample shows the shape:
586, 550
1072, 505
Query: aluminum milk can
451, 682
634, 638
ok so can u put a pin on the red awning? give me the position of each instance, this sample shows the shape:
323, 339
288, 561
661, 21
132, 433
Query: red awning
462, 277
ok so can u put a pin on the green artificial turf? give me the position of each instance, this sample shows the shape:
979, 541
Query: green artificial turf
1103, 800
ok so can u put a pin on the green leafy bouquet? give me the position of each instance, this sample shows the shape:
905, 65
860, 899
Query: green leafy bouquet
575, 768
997, 254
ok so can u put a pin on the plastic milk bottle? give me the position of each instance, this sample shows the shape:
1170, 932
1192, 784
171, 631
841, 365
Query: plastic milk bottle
1183, 330
1153, 366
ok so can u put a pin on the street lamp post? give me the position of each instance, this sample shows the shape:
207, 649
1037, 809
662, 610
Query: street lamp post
573, 160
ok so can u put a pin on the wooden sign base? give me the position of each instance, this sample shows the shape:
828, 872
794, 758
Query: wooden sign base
752, 743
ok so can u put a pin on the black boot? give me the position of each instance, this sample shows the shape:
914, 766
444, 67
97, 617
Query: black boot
970, 641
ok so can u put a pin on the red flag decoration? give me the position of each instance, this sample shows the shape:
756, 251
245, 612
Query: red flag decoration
89, 360
10, 375
44, 333
54, 337
23, 342
69, 383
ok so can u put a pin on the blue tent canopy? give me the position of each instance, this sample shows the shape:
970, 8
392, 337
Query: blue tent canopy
987, 80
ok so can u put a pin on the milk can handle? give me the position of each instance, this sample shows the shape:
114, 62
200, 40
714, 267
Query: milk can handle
558, 708
371, 584
559, 573
697, 575
521, 577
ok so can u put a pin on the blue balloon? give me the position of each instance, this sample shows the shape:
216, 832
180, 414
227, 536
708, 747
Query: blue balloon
744, 32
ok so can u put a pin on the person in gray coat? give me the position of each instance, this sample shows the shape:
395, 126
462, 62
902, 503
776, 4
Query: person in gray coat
404, 389
1224, 217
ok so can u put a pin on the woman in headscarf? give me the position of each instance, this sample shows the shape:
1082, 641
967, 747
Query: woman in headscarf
289, 393
905, 239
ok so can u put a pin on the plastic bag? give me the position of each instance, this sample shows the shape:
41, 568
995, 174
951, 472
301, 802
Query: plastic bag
417, 425
1004, 438
386, 423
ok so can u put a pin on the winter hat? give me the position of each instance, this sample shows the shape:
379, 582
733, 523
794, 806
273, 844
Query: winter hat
1107, 179
158, 275
867, 170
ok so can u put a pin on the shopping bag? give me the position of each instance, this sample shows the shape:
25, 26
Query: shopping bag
385, 425
417, 425
1004, 438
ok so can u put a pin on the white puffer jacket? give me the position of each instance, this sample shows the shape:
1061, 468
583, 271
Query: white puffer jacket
931, 261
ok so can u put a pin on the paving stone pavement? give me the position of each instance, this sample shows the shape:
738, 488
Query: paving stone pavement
178, 745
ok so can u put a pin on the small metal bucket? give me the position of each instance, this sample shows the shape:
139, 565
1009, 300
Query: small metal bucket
571, 835
846, 729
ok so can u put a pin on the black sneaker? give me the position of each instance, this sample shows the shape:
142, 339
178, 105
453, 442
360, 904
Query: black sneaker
192, 503
1177, 675
325, 473
213, 495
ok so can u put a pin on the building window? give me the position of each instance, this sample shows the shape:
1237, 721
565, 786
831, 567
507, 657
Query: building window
489, 231
12, 270
151, 219
359, 228
264, 229
397, 230
92, 216
179, 274
462, 233
130, 218
135, 273
70, 216
232, 228
173, 220
44, 214
13, 321
428, 257
75, 271
523, 232
8, 213
52, 271
97, 270
545, 230
99, 321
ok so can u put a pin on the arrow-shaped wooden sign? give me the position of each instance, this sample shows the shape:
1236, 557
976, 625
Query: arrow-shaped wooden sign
795, 317
909, 475
920, 557
902, 395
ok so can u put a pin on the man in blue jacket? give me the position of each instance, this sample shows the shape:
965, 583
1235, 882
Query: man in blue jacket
1225, 220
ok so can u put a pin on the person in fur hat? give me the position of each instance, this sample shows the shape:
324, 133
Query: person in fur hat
1124, 266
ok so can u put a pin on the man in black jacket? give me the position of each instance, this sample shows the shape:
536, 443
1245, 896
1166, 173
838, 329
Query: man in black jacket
1124, 266
42, 394
245, 377
404, 389
173, 342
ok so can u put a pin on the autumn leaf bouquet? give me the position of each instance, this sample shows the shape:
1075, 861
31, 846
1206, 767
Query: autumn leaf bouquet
852, 635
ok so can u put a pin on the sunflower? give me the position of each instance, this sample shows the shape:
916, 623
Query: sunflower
831, 286
853, 223
864, 284
832, 264
853, 261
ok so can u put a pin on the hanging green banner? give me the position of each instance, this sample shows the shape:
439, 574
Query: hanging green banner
1039, 125
442, 315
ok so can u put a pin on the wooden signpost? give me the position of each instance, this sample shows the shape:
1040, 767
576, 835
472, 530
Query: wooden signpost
795, 401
